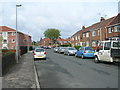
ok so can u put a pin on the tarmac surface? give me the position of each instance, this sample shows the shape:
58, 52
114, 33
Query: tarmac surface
62, 71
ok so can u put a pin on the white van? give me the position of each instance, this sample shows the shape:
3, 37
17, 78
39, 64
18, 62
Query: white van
108, 51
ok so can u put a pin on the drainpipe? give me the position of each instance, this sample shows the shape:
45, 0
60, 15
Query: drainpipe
106, 32
100, 34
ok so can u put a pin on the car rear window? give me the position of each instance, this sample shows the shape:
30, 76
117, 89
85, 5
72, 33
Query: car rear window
116, 44
72, 49
89, 48
39, 50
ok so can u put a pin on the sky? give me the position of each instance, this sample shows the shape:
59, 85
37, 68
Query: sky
36, 16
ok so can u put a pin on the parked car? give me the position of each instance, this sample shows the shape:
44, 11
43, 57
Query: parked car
108, 51
61, 49
56, 49
85, 52
46, 47
70, 51
39, 53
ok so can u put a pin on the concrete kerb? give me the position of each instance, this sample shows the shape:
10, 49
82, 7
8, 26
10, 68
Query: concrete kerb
36, 77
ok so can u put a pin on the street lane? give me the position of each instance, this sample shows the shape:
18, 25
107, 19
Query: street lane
61, 71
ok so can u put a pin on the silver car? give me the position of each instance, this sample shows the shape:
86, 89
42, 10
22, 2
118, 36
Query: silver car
56, 49
39, 53
70, 51
61, 49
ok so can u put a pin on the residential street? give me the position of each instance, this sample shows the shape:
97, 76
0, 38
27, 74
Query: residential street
61, 71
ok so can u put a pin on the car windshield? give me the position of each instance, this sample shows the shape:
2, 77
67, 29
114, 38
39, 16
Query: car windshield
116, 44
88, 48
39, 50
63, 48
72, 49
57, 48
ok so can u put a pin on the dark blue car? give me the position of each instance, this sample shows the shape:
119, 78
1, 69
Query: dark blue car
85, 52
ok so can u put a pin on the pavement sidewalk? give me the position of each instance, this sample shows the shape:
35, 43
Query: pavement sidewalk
22, 75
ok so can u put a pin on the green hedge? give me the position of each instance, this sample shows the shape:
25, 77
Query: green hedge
69, 45
6, 53
77, 47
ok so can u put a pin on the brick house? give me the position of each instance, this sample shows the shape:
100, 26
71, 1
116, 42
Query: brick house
92, 35
45, 42
8, 36
48, 42
113, 29
61, 41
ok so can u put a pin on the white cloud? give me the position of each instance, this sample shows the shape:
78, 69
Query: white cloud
69, 17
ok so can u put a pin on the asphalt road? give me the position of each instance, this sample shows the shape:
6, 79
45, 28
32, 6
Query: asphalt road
61, 71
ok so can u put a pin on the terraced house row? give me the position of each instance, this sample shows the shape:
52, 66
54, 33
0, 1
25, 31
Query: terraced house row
101, 31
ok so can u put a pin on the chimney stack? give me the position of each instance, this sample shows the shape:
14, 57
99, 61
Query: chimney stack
83, 27
102, 19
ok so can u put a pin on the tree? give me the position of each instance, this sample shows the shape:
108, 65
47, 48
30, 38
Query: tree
53, 34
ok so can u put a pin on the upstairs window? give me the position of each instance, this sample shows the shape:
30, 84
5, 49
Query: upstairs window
4, 34
109, 30
93, 33
73, 38
79, 37
83, 35
13, 33
98, 32
87, 34
76, 37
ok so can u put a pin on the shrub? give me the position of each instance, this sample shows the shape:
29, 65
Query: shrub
68, 45
77, 47
6, 53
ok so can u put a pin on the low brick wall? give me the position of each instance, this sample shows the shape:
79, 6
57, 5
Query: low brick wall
7, 62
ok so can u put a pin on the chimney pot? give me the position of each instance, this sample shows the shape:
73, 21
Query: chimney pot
102, 19
83, 27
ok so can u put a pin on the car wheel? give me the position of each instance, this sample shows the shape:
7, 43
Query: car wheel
64, 53
96, 60
44, 58
34, 58
82, 56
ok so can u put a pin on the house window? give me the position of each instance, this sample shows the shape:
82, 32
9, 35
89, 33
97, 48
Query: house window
13, 33
13, 40
109, 30
98, 32
79, 37
65, 41
4, 34
73, 38
87, 43
118, 28
93, 33
87, 34
76, 37
83, 35
94, 43
26, 40
115, 29
4, 41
